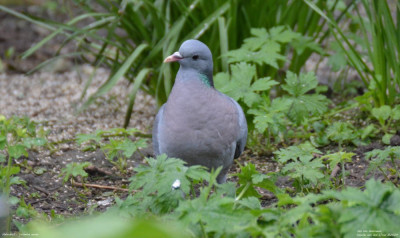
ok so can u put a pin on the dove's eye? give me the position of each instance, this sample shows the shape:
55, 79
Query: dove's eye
195, 57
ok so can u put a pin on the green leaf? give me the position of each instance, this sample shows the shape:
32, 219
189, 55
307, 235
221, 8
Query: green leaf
303, 164
239, 85
16, 151
162, 172
305, 151
386, 138
299, 85
2, 158
304, 105
264, 47
305, 167
382, 113
338, 157
249, 178
39, 170
74, 170
29, 142
82, 138
216, 215
396, 113
271, 116
263, 84
125, 146
341, 132
3, 142
380, 157
376, 208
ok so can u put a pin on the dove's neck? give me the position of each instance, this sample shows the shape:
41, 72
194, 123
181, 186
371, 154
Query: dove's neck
193, 75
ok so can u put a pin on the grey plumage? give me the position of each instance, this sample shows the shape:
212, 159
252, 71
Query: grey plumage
198, 124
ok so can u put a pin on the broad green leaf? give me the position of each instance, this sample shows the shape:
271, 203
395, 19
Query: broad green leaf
386, 138
16, 151
382, 113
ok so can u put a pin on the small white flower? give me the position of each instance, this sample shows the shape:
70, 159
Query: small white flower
176, 185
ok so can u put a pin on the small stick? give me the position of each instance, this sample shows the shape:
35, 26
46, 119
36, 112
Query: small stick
98, 186
335, 171
41, 189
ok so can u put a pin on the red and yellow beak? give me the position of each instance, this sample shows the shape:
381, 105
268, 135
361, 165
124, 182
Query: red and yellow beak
174, 57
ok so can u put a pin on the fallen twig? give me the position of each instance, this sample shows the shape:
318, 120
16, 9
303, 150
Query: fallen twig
40, 189
97, 186
335, 171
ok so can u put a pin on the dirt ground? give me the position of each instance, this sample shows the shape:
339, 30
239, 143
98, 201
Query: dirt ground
51, 97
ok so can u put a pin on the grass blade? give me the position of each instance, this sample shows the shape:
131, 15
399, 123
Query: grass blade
115, 77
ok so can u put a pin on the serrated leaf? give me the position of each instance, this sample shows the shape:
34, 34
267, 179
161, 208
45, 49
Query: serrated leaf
271, 116
263, 47
302, 105
338, 157
341, 132
239, 85
305, 168
380, 157
299, 85
376, 208
305, 151
159, 175
216, 215
263, 84
74, 170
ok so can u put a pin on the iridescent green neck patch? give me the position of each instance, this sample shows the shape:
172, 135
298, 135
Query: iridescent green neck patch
205, 79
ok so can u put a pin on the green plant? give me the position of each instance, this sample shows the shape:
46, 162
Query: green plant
240, 85
339, 157
250, 178
273, 117
303, 104
157, 208
140, 34
379, 158
381, 38
74, 170
386, 116
300, 164
114, 143
155, 184
342, 132
17, 135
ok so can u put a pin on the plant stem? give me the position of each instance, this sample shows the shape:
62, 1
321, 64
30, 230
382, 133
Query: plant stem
243, 191
343, 175
203, 230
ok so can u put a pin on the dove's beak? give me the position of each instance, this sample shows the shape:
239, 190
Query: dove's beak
174, 57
